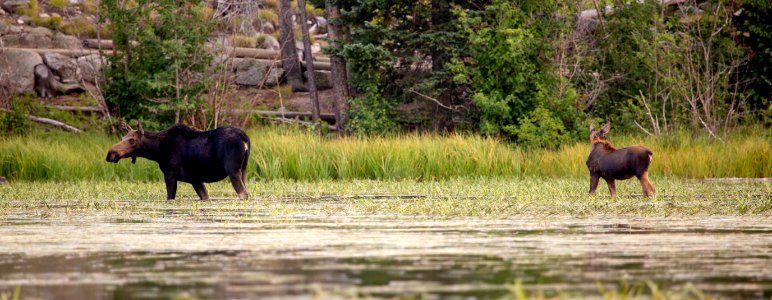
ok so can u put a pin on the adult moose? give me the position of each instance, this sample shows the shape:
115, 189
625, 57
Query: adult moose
188, 155
608, 162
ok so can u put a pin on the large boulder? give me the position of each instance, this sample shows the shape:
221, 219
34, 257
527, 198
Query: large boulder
63, 41
90, 67
36, 38
323, 79
4, 27
63, 66
270, 43
274, 76
15, 5
250, 72
16, 69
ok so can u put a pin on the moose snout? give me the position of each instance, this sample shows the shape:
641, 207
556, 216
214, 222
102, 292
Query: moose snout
113, 156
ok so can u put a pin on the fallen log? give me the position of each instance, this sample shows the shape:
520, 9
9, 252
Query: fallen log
51, 122
90, 109
285, 114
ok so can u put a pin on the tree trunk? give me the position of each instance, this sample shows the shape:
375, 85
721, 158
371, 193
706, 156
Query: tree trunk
309, 67
338, 69
289, 57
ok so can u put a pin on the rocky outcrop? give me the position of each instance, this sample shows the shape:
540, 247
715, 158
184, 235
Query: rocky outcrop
63, 41
90, 67
16, 69
63, 66
15, 6
38, 37
250, 72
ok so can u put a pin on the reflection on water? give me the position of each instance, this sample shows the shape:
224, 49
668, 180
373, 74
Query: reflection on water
218, 253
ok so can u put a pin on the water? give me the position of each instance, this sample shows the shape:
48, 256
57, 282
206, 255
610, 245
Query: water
247, 253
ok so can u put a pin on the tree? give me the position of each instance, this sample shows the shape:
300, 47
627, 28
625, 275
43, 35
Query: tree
338, 68
289, 57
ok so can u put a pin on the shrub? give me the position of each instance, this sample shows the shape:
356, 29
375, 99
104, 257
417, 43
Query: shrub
60, 4
540, 129
244, 41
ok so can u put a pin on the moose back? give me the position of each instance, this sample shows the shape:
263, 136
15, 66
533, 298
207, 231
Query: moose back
188, 155
607, 162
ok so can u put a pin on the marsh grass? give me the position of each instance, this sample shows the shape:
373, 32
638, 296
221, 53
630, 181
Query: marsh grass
460, 197
281, 153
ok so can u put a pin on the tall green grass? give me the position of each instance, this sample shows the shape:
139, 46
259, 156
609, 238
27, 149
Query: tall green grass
280, 153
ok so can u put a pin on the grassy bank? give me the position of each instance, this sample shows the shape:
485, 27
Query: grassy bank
448, 198
293, 154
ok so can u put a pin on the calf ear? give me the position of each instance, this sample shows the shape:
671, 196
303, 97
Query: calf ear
123, 126
139, 128
592, 127
605, 128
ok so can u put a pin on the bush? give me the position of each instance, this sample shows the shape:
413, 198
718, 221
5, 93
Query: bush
60, 4
244, 41
16, 121
540, 129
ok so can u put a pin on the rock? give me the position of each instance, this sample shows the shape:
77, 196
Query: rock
15, 5
274, 77
41, 31
90, 67
323, 79
222, 59
44, 16
4, 27
76, 2
63, 41
15, 29
3, 180
32, 39
250, 72
16, 69
63, 66
267, 28
47, 86
271, 43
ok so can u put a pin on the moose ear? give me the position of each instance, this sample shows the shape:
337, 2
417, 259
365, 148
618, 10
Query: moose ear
606, 127
592, 127
139, 128
123, 126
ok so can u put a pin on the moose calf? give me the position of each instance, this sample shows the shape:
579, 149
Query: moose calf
608, 162
188, 155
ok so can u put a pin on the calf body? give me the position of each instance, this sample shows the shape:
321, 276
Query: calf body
188, 155
607, 162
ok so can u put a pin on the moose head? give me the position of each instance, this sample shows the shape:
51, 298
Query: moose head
128, 145
599, 134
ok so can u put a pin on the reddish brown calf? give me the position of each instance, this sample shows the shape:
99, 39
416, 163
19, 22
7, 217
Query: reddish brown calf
608, 162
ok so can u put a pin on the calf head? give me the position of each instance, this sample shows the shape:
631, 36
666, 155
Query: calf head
599, 134
128, 145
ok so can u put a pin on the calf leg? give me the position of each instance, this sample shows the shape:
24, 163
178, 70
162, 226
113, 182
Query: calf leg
171, 186
593, 184
201, 190
648, 188
238, 185
612, 186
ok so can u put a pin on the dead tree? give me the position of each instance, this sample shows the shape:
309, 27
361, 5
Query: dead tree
309, 58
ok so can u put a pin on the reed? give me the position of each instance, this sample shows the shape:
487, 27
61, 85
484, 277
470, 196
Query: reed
286, 153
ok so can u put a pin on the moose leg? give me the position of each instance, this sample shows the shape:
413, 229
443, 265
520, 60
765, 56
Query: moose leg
612, 186
238, 185
171, 186
648, 188
593, 184
201, 190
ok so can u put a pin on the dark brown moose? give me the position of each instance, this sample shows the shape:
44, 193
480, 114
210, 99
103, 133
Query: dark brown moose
188, 155
608, 162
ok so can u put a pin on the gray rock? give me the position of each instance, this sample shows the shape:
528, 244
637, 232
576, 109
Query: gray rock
15, 29
63, 41
41, 31
90, 67
274, 77
35, 38
250, 72
323, 79
222, 59
63, 66
16, 69
4, 27
271, 43
15, 5
267, 28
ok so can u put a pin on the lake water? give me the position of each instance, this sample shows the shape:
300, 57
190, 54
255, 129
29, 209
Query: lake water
216, 253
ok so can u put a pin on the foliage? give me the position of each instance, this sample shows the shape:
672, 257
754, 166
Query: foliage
158, 77
755, 31
540, 129
60, 4
15, 121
